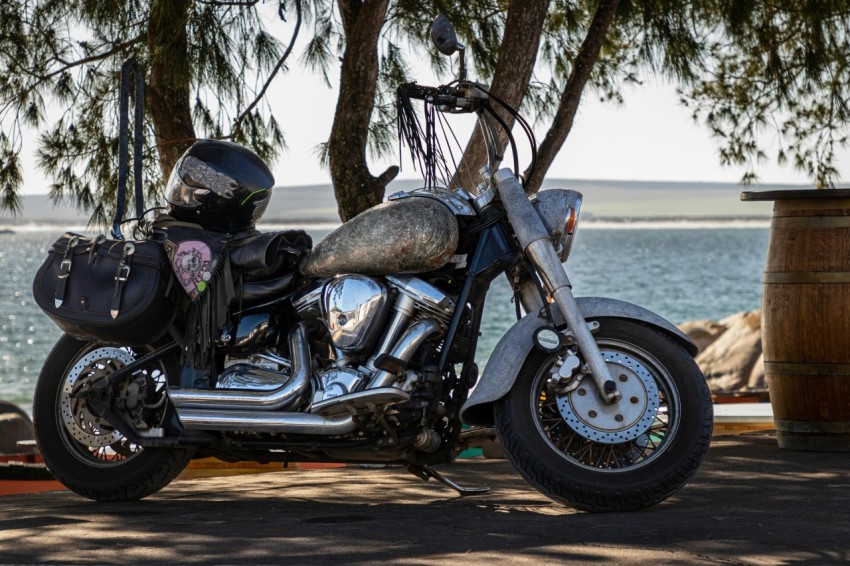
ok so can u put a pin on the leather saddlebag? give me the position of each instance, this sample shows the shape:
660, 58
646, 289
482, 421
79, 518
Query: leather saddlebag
109, 291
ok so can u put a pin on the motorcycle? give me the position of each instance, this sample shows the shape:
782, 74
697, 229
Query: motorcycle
362, 349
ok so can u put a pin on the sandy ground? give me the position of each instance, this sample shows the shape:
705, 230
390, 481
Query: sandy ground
750, 503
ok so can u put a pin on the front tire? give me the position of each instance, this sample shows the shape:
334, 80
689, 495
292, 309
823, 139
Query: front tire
80, 448
580, 451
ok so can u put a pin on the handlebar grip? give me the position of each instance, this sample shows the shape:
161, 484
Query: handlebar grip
446, 100
440, 94
419, 92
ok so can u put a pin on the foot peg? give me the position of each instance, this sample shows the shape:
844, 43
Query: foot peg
427, 472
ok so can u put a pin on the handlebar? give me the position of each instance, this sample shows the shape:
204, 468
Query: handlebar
446, 98
458, 97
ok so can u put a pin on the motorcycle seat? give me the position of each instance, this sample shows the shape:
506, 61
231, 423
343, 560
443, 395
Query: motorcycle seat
268, 262
257, 292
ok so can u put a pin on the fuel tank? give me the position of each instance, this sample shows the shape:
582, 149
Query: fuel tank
410, 235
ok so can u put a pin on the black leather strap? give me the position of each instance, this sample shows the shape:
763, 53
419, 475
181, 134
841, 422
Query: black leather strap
122, 274
65, 271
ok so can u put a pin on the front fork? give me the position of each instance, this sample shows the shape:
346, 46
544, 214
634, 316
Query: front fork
538, 248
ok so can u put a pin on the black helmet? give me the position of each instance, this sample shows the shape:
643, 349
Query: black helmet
219, 185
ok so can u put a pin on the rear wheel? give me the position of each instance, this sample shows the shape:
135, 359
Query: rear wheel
629, 455
79, 446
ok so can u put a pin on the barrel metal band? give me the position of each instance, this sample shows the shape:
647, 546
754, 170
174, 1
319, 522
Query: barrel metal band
791, 368
810, 222
828, 427
793, 277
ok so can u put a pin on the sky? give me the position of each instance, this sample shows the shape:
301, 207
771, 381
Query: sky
651, 137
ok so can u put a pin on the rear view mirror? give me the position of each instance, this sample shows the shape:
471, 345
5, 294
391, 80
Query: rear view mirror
444, 37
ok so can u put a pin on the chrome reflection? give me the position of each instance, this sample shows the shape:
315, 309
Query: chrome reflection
355, 307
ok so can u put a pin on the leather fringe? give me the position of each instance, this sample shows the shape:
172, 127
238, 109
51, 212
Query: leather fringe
208, 313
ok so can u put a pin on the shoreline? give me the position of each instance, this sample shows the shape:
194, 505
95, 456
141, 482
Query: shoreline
591, 222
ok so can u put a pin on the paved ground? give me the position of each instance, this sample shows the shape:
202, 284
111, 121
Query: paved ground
750, 503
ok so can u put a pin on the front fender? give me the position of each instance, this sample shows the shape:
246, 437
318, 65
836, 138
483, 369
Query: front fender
510, 353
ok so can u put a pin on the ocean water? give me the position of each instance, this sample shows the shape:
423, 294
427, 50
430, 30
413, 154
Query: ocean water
681, 272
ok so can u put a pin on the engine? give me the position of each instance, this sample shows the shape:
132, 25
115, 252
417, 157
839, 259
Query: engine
370, 322
371, 358
367, 317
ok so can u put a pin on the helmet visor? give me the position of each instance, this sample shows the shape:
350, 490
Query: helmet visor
192, 179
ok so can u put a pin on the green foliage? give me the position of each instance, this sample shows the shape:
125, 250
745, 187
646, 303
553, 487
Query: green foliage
649, 37
777, 78
65, 56
765, 77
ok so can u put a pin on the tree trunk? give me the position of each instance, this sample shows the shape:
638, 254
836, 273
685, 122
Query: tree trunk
570, 98
517, 56
356, 189
167, 95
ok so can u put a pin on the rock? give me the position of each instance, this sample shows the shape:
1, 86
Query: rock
751, 318
730, 362
757, 380
15, 425
703, 332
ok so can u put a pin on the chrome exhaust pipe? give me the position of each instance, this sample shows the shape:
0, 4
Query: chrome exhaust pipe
254, 421
284, 397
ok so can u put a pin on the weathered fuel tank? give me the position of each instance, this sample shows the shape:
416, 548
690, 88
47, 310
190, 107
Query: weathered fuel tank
410, 235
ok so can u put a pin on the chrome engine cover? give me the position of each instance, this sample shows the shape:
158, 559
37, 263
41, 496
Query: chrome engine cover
337, 382
253, 333
355, 307
251, 376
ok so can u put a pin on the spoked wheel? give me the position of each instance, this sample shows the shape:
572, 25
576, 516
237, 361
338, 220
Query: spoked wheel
80, 447
595, 456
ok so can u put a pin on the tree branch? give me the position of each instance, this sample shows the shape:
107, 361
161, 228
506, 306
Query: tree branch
246, 3
562, 124
237, 124
92, 58
514, 69
355, 187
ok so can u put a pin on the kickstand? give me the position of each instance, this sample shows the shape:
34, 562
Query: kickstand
427, 472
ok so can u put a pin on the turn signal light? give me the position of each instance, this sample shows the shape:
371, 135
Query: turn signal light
572, 220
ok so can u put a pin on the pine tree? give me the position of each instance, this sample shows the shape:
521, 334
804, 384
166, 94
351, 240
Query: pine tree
776, 78
760, 75
207, 64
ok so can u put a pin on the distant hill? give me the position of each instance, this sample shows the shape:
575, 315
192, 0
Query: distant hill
621, 199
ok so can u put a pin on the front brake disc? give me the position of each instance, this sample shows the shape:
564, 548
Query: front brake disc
587, 414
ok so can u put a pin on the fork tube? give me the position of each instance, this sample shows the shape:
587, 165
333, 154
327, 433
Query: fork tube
534, 239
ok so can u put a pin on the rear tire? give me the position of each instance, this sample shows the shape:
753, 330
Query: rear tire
81, 449
594, 457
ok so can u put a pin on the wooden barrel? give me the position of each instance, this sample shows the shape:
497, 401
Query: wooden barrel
806, 319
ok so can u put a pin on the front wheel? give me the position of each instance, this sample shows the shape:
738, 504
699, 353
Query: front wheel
80, 447
632, 454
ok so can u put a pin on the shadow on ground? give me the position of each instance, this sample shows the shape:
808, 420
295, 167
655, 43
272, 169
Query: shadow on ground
750, 503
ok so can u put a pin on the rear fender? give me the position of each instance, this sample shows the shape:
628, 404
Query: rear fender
510, 353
